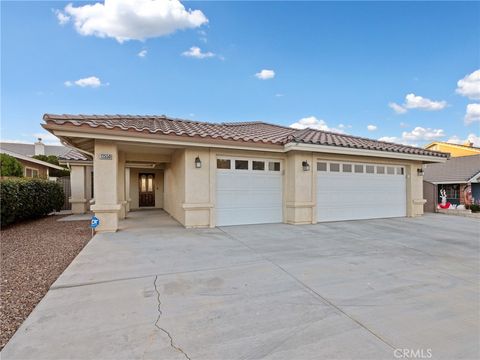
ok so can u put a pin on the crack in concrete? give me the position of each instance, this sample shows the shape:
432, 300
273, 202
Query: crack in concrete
160, 313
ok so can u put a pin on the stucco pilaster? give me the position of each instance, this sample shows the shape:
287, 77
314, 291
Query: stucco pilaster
78, 197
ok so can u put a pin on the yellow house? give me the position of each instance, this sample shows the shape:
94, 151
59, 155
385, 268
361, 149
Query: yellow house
455, 150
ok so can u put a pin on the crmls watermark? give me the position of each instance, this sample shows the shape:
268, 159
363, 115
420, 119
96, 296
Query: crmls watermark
412, 353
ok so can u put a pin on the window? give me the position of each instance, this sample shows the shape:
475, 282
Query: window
241, 164
370, 169
399, 171
380, 169
143, 183
347, 168
334, 167
390, 170
359, 168
258, 165
321, 166
223, 164
150, 183
452, 191
274, 166
29, 172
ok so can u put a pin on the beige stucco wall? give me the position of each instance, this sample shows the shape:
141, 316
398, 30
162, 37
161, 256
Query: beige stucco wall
134, 187
187, 193
174, 180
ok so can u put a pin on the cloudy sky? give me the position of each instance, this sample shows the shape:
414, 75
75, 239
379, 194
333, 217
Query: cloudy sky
403, 72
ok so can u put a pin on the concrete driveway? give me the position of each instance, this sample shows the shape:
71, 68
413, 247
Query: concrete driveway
346, 290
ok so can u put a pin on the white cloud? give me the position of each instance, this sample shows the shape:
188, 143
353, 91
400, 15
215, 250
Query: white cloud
313, 123
419, 134
126, 20
61, 17
91, 81
265, 74
47, 138
472, 138
142, 53
397, 108
371, 127
279, 95
469, 86
413, 101
472, 114
197, 53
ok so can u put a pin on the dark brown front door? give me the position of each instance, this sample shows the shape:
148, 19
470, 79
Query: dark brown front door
146, 189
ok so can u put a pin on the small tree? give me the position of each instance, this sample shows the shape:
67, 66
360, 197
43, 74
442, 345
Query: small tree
10, 166
52, 159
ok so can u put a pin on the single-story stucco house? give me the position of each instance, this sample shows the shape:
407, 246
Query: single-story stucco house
216, 174
459, 178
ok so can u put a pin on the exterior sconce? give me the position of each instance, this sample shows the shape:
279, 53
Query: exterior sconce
198, 162
420, 172
305, 166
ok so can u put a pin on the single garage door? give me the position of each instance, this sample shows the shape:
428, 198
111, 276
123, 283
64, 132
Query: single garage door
249, 191
350, 191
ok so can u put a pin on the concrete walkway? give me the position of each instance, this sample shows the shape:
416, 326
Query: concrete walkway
346, 290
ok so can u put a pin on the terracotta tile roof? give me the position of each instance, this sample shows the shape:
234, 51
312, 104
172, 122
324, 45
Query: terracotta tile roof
74, 155
256, 131
319, 137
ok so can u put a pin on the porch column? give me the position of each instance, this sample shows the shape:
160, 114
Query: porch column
415, 200
127, 189
77, 184
105, 168
121, 185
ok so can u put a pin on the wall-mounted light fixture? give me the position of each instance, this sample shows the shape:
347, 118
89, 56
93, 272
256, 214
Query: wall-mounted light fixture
420, 172
305, 165
198, 162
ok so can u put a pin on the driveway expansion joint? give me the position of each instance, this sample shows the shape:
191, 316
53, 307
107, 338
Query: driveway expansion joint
160, 313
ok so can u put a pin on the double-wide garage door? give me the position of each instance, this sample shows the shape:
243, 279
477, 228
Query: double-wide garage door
350, 191
249, 191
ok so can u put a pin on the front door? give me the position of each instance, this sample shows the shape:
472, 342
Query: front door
146, 190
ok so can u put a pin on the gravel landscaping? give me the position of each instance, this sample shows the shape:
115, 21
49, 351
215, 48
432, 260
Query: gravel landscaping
33, 255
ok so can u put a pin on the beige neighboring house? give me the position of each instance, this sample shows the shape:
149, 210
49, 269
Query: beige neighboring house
33, 168
208, 174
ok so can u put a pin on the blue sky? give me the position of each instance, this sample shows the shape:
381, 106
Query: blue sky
336, 66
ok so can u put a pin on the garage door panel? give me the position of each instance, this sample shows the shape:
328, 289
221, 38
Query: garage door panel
248, 197
349, 196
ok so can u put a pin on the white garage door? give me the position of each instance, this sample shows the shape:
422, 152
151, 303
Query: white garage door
249, 191
350, 191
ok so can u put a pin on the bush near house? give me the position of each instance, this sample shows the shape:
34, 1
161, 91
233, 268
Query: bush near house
9, 166
475, 208
52, 159
23, 199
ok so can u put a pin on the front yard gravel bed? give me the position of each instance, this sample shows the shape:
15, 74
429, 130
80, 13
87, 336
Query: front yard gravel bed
33, 255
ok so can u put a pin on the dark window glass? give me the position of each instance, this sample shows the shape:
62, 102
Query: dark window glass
380, 169
399, 171
258, 165
359, 168
390, 170
241, 164
335, 167
321, 166
370, 169
347, 168
274, 166
223, 164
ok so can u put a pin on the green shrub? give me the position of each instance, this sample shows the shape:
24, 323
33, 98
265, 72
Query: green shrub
22, 199
475, 208
10, 166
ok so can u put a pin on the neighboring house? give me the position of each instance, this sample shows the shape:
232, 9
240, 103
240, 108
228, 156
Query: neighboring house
467, 149
38, 148
32, 167
206, 174
458, 176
